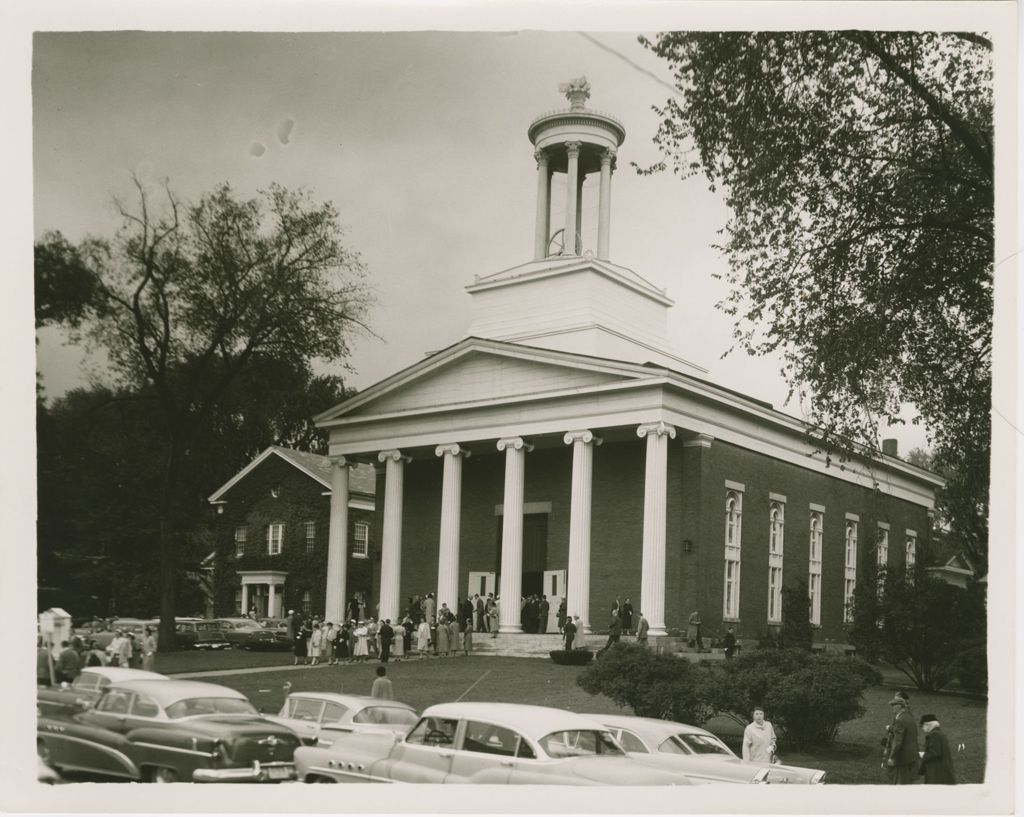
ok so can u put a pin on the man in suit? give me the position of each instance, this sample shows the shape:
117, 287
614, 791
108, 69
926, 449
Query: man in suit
641, 630
387, 634
937, 760
569, 633
542, 614
902, 758
478, 609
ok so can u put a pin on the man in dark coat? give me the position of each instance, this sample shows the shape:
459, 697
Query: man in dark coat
614, 634
902, 759
386, 634
542, 614
937, 761
569, 633
626, 615
729, 643
67, 663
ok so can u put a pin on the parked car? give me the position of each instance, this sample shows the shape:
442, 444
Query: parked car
86, 689
168, 731
697, 753
201, 634
484, 743
246, 633
320, 718
103, 633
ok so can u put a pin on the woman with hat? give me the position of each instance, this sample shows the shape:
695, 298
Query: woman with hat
901, 755
936, 760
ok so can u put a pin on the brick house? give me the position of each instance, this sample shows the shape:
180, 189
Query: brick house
273, 522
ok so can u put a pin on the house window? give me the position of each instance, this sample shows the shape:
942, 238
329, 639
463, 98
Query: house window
814, 567
241, 532
776, 533
733, 535
307, 605
882, 555
310, 536
910, 554
275, 535
850, 569
361, 540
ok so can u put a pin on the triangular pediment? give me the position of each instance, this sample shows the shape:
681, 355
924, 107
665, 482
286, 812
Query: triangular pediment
477, 371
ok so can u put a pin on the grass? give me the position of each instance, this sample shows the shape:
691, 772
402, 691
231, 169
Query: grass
855, 758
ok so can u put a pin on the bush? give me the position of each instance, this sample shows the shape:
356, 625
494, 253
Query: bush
805, 695
653, 685
574, 658
971, 669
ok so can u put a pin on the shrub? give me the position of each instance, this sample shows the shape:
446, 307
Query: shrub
971, 669
805, 695
653, 685
573, 658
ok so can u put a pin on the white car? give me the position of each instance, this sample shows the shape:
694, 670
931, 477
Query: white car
319, 718
496, 743
696, 752
86, 689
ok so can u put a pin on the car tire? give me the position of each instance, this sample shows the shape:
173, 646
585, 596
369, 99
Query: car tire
164, 774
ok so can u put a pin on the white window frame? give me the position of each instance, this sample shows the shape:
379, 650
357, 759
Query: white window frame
776, 547
241, 535
733, 553
910, 554
850, 565
361, 544
307, 604
816, 538
882, 554
275, 538
310, 536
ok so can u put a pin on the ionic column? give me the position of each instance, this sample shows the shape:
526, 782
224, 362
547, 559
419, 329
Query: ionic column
245, 600
578, 582
540, 242
337, 542
579, 213
605, 204
391, 536
652, 572
571, 196
451, 507
272, 601
512, 533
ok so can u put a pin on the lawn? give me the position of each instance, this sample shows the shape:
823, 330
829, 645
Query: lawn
855, 758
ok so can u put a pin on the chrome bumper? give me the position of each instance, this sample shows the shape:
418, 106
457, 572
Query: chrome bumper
256, 773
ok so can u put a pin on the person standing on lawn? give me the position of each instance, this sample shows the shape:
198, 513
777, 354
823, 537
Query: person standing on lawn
641, 629
149, 650
569, 633
902, 758
382, 685
759, 741
937, 760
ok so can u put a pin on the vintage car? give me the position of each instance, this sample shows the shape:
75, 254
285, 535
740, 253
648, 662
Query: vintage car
103, 633
168, 731
696, 752
247, 633
201, 634
86, 689
319, 718
484, 743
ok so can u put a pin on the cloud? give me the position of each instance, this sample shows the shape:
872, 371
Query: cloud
284, 131
257, 149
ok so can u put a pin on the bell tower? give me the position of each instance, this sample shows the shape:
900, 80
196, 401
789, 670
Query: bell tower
575, 143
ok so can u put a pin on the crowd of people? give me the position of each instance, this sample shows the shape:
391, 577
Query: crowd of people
77, 652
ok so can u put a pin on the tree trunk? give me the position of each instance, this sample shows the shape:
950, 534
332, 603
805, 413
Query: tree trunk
168, 548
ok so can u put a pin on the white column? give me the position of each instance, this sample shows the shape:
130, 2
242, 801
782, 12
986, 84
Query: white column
652, 572
540, 242
451, 508
391, 536
512, 533
245, 599
337, 542
579, 214
578, 582
604, 213
272, 603
571, 194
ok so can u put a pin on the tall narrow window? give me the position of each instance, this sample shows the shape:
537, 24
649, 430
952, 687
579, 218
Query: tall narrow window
733, 535
882, 555
241, 533
361, 540
310, 536
776, 534
307, 604
814, 568
910, 554
850, 569
275, 535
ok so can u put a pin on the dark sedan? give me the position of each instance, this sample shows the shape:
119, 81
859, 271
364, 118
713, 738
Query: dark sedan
169, 731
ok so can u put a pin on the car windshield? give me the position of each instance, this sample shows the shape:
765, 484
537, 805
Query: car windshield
385, 715
210, 706
694, 744
579, 742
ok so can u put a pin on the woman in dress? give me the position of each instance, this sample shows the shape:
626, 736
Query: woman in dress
362, 638
398, 642
315, 640
443, 638
423, 639
454, 634
300, 648
467, 635
372, 639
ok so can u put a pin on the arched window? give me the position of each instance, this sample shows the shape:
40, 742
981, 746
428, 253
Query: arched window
733, 536
850, 569
776, 544
814, 568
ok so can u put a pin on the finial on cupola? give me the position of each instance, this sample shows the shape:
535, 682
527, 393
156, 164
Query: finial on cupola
577, 91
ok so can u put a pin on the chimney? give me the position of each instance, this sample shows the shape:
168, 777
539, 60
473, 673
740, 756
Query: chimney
889, 447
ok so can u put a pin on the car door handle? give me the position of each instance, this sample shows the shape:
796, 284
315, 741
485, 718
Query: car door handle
508, 763
447, 754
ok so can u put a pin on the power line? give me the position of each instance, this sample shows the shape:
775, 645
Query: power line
630, 63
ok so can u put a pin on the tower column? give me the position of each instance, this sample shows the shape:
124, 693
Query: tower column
540, 242
515, 449
391, 537
337, 542
572, 197
451, 508
605, 204
652, 571
272, 602
245, 599
578, 581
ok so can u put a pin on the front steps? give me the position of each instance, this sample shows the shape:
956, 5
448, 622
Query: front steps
529, 645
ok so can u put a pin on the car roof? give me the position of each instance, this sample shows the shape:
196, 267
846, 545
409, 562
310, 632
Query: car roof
533, 721
119, 674
171, 690
649, 725
351, 701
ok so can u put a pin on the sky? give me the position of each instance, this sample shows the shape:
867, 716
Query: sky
419, 138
